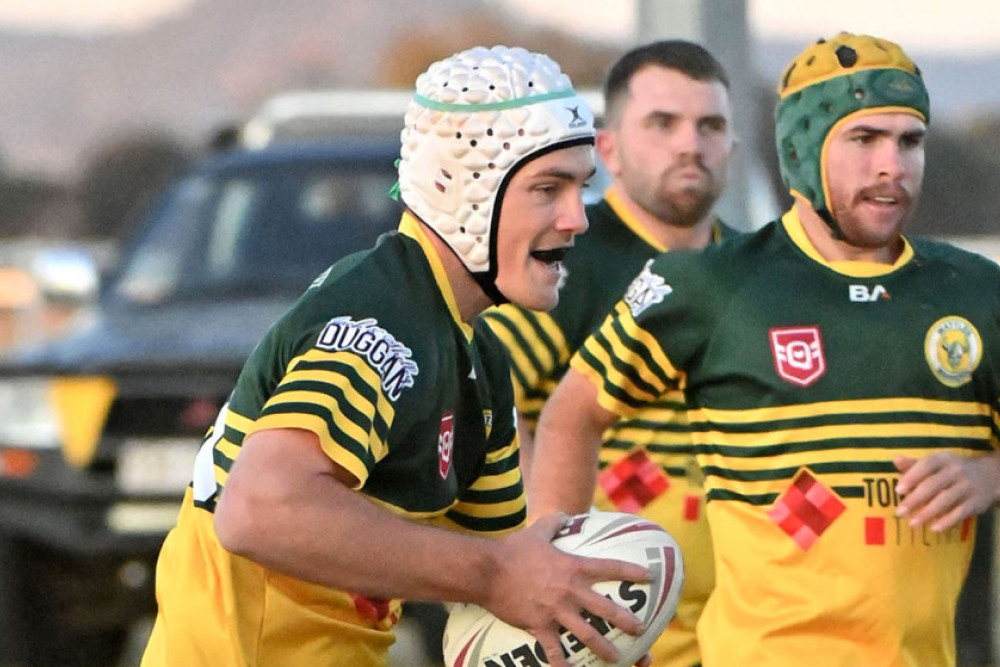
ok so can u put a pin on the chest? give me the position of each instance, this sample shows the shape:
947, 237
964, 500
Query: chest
443, 429
799, 336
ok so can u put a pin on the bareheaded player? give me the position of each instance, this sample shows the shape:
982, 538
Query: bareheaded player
667, 140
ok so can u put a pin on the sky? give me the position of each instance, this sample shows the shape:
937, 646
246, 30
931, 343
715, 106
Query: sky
944, 26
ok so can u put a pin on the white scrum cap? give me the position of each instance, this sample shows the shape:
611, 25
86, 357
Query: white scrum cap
476, 117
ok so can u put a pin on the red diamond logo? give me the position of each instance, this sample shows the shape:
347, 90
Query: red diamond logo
806, 509
633, 482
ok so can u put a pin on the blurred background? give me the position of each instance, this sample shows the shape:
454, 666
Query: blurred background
106, 102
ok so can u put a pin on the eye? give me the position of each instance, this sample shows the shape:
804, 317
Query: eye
713, 125
911, 140
546, 190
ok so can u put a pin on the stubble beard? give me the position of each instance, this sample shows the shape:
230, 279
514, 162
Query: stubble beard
684, 209
870, 237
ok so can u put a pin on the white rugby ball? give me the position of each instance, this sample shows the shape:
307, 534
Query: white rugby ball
473, 637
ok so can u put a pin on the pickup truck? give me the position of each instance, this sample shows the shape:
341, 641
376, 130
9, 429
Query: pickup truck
99, 429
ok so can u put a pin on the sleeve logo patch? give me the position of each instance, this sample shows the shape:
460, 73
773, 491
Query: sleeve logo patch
320, 279
446, 444
384, 353
646, 290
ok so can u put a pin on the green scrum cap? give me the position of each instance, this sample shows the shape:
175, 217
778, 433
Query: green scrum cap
829, 81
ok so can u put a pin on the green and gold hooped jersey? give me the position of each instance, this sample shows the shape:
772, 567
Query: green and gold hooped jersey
374, 360
647, 464
805, 380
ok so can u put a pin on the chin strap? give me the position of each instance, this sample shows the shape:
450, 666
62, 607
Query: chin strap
487, 282
826, 217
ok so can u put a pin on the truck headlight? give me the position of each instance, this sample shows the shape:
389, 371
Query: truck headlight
27, 415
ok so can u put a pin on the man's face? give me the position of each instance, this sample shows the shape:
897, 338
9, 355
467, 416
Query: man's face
670, 145
541, 212
874, 166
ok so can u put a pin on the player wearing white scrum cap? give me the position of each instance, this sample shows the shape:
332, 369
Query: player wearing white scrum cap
369, 451
476, 118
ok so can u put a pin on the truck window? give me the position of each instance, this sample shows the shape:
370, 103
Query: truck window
266, 230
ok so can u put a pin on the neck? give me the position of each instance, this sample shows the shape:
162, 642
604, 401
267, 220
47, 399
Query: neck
469, 296
836, 250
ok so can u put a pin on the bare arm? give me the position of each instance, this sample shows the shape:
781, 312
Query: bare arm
287, 506
566, 447
944, 489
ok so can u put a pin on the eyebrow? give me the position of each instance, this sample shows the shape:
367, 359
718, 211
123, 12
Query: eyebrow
562, 174
882, 132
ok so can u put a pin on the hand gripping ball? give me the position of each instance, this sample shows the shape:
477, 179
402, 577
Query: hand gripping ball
474, 637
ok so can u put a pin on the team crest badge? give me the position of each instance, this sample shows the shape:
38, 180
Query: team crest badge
953, 349
798, 354
446, 444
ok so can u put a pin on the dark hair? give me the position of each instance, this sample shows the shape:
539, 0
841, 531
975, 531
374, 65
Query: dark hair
686, 57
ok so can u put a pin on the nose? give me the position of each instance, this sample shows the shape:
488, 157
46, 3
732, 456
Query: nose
890, 160
573, 217
687, 139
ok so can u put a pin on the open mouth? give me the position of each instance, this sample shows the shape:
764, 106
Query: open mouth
550, 256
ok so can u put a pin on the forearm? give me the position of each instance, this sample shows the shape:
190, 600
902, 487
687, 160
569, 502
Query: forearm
319, 530
566, 447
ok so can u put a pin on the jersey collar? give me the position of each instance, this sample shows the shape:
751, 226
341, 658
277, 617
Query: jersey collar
614, 200
410, 226
853, 268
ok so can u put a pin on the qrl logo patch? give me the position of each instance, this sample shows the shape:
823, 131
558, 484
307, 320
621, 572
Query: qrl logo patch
446, 443
798, 354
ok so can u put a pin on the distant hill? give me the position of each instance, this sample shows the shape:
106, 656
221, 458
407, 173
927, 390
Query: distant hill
189, 74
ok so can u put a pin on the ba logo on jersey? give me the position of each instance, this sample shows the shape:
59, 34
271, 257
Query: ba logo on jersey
377, 346
646, 289
953, 350
446, 444
865, 294
798, 354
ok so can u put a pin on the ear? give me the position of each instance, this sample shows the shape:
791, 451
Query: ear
606, 145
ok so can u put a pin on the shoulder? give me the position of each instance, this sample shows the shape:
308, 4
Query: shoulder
723, 231
956, 259
731, 256
378, 291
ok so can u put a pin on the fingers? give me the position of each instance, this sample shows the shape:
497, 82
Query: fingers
903, 463
549, 641
598, 605
550, 524
608, 569
956, 516
936, 490
914, 471
586, 633
645, 661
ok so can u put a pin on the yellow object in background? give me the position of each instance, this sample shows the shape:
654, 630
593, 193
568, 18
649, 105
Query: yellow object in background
82, 404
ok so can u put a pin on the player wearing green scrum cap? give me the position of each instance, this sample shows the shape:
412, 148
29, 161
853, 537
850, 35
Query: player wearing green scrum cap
844, 380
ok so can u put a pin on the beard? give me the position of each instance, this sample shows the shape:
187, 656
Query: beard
863, 232
684, 206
